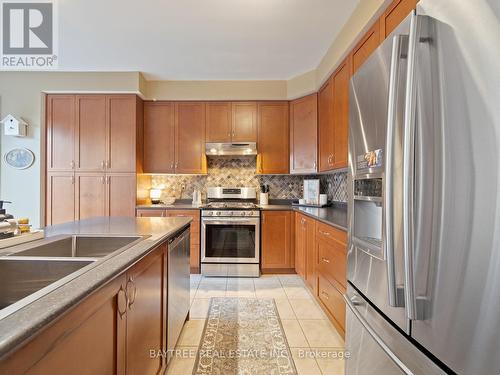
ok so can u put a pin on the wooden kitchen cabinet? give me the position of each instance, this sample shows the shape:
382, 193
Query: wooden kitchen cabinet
278, 253
244, 121
145, 314
341, 79
273, 138
326, 126
304, 134
88, 339
306, 259
194, 239
121, 194
300, 245
60, 197
369, 43
159, 137
395, 13
90, 195
190, 138
146, 212
60, 122
334, 302
91, 133
219, 122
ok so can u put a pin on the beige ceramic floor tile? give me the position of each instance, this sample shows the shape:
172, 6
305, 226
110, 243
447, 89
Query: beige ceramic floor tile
183, 363
199, 308
271, 292
208, 291
294, 334
191, 333
330, 361
297, 292
213, 281
270, 281
305, 365
291, 280
284, 309
321, 334
307, 309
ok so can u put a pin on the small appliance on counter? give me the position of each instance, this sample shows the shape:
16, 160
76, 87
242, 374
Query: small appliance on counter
155, 196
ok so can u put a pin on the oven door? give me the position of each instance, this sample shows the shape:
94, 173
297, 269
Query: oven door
230, 240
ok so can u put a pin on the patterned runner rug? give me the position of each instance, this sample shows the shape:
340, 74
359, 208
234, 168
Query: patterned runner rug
243, 336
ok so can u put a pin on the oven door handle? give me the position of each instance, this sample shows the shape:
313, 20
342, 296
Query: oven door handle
228, 221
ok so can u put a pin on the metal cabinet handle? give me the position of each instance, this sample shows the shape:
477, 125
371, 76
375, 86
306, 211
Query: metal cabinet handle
131, 300
122, 302
324, 294
324, 233
108, 164
102, 180
103, 164
326, 260
314, 165
73, 180
72, 164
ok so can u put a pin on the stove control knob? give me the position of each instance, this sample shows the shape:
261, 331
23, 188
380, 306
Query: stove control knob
231, 213
210, 213
243, 213
218, 213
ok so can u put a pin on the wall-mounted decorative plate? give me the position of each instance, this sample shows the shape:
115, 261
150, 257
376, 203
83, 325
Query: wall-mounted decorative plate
20, 158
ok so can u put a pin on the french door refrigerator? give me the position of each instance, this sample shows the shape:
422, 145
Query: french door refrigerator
424, 196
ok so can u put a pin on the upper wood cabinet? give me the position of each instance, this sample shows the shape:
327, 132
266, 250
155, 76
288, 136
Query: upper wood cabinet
326, 126
219, 122
366, 46
190, 137
60, 120
304, 134
273, 138
277, 241
93, 133
244, 122
341, 115
396, 12
121, 193
159, 137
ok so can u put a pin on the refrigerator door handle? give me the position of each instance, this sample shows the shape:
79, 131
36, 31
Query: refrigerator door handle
395, 298
409, 172
354, 303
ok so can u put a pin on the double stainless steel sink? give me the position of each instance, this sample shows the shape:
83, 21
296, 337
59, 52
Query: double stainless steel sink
32, 270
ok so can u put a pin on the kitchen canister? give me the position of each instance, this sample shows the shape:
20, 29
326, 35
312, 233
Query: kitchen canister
264, 199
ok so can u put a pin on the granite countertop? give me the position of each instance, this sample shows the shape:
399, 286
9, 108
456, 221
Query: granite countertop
335, 215
21, 325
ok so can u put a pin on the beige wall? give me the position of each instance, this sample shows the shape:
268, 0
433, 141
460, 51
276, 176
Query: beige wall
217, 90
21, 95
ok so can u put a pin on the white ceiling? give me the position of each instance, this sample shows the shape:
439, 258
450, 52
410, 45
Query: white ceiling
199, 39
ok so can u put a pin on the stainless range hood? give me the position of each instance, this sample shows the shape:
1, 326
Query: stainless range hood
236, 149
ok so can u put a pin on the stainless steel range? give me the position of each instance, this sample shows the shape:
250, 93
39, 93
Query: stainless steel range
230, 233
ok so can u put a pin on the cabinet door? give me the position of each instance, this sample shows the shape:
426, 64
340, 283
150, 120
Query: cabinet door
151, 213
334, 302
89, 339
326, 126
190, 137
394, 15
145, 323
219, 122
121, 194
194, 239
277, 252
60, 197
244, 122
366, 46
60, 132
341, 115
159, 137
304, 134
122, 130
91, 138
311, 254
90, 195
273, 144
300, 245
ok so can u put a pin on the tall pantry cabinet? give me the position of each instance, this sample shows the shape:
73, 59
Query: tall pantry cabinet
94, 150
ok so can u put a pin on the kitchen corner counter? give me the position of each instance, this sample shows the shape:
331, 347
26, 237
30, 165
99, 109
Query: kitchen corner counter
335, 215
22, 325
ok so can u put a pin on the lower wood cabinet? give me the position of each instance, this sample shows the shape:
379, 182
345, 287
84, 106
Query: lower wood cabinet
306, 255
109, 332
333, 299
194, 258
277, 242
76, 196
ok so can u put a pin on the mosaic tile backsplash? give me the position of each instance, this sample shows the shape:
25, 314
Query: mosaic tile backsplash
241, 172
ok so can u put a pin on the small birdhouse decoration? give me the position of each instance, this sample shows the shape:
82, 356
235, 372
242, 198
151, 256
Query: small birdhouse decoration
14, 126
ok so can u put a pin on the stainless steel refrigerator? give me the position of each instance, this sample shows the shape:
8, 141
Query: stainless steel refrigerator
424, 196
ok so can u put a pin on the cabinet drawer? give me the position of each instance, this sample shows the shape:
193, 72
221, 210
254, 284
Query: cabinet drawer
332, 262
151, 213
195, 214
333, 300
329, 233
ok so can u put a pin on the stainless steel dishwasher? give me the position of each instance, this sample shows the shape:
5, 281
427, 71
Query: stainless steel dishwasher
178, 287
